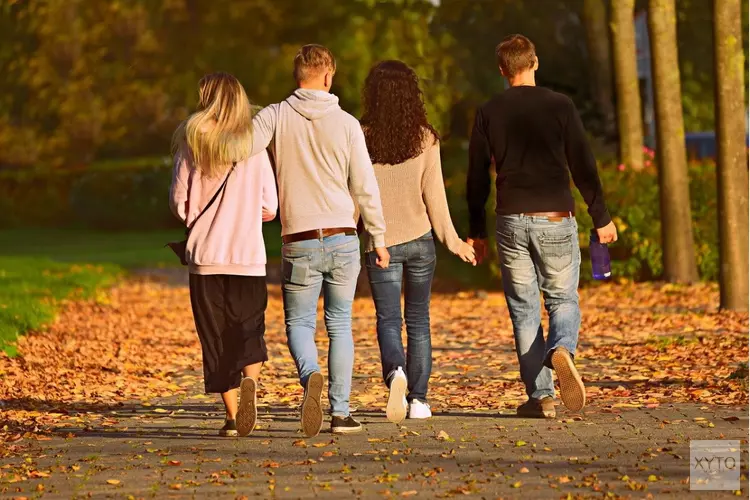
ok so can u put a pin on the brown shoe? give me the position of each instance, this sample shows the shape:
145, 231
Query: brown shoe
312, 411
537, 408
572, 391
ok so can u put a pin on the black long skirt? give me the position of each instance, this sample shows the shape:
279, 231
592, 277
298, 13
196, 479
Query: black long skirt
229, 314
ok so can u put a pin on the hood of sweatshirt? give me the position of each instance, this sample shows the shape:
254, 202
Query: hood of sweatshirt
313, 104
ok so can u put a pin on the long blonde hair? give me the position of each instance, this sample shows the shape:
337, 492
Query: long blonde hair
219, 132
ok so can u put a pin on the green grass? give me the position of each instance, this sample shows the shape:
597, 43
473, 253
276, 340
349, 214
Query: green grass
41, 267
125, 249
665, 343
31, 288
128, 249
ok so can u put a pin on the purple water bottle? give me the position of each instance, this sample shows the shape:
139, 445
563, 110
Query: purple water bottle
599, 257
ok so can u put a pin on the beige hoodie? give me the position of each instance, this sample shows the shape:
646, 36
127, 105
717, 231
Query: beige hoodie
321, 163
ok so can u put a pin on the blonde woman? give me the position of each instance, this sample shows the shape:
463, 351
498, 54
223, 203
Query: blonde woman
224, 195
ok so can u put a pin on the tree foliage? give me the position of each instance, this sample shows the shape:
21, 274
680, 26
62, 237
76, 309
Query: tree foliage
86, 79
82, 80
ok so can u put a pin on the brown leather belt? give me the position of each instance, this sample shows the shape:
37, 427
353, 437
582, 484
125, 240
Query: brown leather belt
318, 234
551, 216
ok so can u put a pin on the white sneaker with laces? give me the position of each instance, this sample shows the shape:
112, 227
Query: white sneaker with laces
397, 406
419, 410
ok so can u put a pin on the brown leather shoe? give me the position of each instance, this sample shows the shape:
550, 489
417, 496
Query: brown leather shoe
537, 408
572, 391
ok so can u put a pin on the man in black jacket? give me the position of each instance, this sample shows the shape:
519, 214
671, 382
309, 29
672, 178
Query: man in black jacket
537, 141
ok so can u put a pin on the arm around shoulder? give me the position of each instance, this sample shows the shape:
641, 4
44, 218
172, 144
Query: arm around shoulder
264, 127
178, 190
270, 200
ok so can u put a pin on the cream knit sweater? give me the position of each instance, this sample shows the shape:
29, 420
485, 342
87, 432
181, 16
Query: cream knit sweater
414, 202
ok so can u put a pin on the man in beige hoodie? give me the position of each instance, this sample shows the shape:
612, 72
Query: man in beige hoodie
321, 164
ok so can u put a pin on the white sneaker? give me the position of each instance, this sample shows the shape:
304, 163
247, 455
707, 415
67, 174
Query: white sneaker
419, 410
397, 405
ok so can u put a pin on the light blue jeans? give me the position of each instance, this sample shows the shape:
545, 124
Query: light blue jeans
331, 264
536, 253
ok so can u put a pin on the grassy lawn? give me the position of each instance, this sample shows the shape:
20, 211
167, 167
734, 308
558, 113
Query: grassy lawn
41, 267
32, 287
128, 249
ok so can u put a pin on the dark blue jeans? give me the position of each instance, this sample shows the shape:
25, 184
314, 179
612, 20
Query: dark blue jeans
413, 263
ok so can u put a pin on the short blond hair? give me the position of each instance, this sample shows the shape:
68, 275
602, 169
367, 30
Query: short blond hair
311, 60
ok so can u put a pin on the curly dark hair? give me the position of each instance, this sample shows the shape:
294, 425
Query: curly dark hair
394, 119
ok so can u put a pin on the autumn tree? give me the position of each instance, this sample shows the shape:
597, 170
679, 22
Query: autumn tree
87, 76
630, 124
674, 183
732, 171
85, 79
597, 41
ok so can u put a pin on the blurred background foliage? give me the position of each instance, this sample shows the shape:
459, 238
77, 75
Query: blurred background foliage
91, 91
85, 80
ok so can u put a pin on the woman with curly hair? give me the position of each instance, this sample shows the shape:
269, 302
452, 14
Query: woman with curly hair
405, 151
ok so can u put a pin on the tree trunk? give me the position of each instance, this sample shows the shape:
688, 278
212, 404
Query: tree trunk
731, 168
597, 41
674, 182
629, 121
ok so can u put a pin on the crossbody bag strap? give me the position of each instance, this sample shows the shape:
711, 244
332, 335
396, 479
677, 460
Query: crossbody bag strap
213, 199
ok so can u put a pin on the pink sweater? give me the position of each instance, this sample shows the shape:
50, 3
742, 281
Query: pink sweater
228, 238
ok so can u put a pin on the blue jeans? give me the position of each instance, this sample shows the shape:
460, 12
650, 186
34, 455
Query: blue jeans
414, 263
535, 254
331, 264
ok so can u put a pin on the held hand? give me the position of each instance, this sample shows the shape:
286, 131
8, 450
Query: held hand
607, 234
480, 248
467, 254
384, 258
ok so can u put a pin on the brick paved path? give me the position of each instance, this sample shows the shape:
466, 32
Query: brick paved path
168, 448
171, 449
